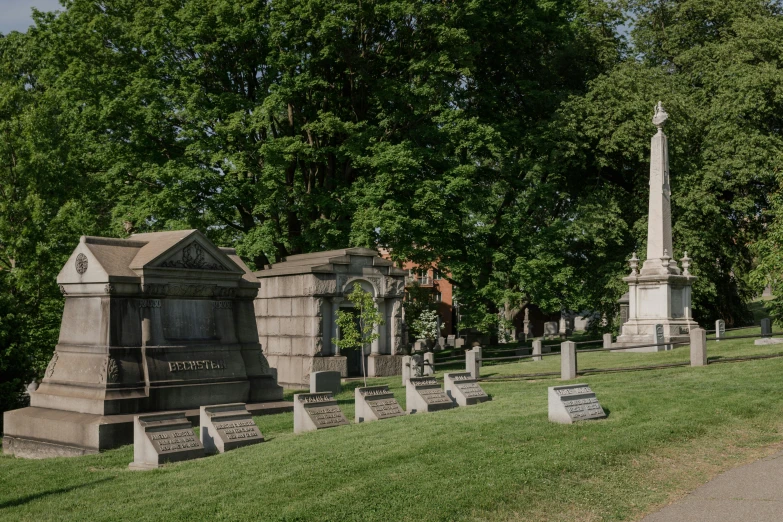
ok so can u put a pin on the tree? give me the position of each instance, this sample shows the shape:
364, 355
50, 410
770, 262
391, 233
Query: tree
359, 329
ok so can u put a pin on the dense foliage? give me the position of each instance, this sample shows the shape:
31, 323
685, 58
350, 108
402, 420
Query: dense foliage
505, 140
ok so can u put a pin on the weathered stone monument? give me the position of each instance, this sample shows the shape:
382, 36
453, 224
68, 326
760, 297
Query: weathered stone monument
659, 293
376, 403
316, 411
161, 438
575, 402
227, 426
156, 322
424, 394
463, 389
297, 306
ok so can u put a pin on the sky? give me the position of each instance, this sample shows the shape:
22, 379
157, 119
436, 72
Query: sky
15, 15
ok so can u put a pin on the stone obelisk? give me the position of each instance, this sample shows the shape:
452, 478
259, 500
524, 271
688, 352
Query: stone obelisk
659, 294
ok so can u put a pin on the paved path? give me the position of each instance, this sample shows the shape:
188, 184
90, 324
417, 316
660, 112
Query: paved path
753, 492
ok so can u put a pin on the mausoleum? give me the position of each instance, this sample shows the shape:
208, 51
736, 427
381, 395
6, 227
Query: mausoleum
156, 322
297, 306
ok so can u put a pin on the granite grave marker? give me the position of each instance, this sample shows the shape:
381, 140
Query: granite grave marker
376, 403
424, 394
316, 411
161, 438
572, 403
463, 388
227, 426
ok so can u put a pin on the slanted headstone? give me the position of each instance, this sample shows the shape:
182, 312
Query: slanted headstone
325, 382
572, 403
316, 411
423, 394
720, 329
550, 329
161, 438
376, 403
227, 426
463, 388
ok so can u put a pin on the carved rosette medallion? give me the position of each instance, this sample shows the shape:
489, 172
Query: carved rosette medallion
109, 288
52, 364
62, 290
81, 263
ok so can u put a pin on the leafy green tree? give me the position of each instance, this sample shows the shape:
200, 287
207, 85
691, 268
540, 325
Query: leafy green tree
359, 329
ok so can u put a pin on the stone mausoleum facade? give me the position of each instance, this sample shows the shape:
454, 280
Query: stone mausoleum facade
297, 306
156, 322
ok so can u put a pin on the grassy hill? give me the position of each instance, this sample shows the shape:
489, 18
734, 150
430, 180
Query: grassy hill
667, 432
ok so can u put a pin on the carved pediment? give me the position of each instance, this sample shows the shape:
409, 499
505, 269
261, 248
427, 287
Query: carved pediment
193, 256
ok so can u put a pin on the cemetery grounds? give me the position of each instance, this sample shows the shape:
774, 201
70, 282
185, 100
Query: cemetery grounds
667, 432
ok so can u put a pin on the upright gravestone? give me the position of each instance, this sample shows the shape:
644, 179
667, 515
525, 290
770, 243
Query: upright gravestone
550, 329
450, 340
376, 403
227, 426
572, 403
428, 365
766, 327
720, 329
316, 411
462, 388
423, 394
161, 438
327, 381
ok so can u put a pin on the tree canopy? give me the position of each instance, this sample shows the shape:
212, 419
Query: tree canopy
507, 141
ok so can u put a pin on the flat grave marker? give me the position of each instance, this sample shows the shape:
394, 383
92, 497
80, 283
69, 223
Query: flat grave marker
227, 426
163, 437
463, 388
572, 403
424, 394
376, 403
316, 411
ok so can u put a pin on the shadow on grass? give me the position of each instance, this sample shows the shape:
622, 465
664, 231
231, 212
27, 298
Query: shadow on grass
43, 494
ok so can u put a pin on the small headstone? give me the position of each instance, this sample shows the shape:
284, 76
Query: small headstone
316, 411
227, 426
459, 343
720, 329
325, 382
550, 329
441, 343
376, 403
572, 403
406, 368
420, 346
423, 394
766, 327
161, 438
463, 388
450, 340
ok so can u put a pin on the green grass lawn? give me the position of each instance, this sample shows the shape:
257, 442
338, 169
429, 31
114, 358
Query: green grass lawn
667, 432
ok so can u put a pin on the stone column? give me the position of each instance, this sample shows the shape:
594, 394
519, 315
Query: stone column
379, 343
698, 347
471, 365
568, 360
336, 329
